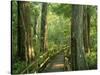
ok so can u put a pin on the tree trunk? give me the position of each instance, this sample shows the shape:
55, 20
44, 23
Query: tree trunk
44, 43
25, 34
86, 30
77, 47
88, 20
35, 24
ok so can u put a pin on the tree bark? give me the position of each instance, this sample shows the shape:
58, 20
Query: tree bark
77, 47
44, 43
35, 24
86, 29
25, 34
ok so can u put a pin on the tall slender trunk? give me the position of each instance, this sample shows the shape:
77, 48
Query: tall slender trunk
86, 29
44, 34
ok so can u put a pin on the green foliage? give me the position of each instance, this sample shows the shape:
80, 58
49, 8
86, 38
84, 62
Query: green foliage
35, 8
57, 32
92, 60
61, 9
92, 10
14, 27
18, 67
93, 29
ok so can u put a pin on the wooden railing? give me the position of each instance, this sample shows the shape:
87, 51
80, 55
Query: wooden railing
40, 63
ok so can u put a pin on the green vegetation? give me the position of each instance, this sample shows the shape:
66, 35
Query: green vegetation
40, 31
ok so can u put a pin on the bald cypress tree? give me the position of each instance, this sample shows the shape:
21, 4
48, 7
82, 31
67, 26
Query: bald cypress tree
77, 46
25, 35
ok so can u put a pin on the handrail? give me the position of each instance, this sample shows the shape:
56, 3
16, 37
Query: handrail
32, 64
42, 63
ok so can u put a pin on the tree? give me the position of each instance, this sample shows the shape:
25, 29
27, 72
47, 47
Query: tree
86, 29
25, 34
43, 41
35, 24
77, 47
35, 16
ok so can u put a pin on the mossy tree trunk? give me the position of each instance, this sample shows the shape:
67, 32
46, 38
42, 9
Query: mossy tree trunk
77, 46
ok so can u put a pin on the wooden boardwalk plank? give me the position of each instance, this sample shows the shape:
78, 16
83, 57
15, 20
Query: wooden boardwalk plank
56, 64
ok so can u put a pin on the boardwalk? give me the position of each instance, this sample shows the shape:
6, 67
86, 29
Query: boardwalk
56, 64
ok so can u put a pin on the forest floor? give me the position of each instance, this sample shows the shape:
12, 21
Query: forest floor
56, 64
